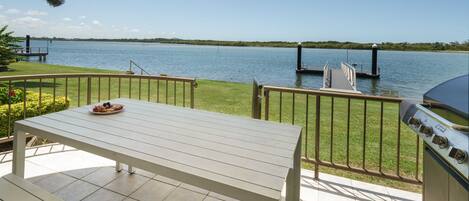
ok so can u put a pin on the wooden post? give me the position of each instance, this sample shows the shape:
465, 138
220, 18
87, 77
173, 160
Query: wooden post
374, 59
28, 43
256, 99
298, 57
88, 91
193, 85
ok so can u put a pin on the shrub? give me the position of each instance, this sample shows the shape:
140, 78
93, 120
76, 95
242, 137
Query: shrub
32, 109
13, 96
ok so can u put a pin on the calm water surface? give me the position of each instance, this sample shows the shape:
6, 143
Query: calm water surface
407, 74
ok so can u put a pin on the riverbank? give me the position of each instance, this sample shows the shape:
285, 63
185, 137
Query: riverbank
235, 99
400, 46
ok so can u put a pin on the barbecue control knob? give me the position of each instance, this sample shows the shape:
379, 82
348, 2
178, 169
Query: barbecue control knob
440, 141
415, 122
459, 155
427, 130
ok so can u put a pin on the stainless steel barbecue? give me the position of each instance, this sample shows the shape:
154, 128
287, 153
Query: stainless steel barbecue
442, 121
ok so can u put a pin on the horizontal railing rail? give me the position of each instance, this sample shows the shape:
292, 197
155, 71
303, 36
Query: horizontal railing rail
32, 50
112, 75
25, 96
352, 132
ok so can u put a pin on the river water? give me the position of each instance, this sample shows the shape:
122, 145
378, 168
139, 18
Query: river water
403, 73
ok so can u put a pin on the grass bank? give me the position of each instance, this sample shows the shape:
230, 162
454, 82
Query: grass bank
235, 98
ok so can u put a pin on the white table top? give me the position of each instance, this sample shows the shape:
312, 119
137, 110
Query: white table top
251, 155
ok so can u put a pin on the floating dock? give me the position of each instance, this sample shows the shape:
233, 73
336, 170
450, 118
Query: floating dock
374, 74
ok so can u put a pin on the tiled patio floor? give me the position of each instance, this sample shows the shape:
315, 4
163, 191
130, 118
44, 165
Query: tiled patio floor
78, 175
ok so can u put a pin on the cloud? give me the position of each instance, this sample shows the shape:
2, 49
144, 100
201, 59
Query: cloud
28, 21
135, 30
36, 13
96, 22
12, 11
67, 19
82, 17
1, 7
82, 24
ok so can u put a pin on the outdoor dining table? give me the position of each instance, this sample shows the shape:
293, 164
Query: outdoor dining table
243, 158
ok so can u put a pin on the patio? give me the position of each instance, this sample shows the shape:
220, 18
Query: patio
77, 175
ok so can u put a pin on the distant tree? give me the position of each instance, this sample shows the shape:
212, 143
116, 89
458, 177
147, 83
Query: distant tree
7, 45
55, 3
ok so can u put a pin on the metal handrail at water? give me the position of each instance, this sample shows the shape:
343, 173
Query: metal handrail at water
42, 93
350, 73
351, 132
326, 79
133, 64
32, 50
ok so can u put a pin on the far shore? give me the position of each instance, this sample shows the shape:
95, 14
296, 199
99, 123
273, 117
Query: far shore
404, 46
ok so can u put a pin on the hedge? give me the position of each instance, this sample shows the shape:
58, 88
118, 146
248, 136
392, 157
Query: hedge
32, 109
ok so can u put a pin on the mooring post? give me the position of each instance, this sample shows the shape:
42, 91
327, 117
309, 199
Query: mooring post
298, 57
374, 59
28, 44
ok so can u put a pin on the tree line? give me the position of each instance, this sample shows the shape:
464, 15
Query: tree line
404, 46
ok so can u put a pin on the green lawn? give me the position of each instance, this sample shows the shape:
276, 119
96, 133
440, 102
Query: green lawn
235, 98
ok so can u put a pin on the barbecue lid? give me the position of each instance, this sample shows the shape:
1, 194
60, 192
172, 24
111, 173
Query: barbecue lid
452, 95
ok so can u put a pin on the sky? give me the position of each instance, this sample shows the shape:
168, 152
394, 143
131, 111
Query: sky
253, 20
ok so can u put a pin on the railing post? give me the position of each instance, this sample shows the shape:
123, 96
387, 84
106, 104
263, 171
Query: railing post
193, 85
317, 136
256, 100
267, 97
88, 91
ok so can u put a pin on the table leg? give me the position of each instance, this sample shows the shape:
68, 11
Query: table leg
294, 176
19, 144
130, 169
118, 166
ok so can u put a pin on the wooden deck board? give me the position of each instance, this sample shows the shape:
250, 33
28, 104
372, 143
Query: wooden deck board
339, 81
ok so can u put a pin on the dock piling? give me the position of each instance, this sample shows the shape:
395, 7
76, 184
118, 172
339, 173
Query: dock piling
298, 57
374, 60
28, 43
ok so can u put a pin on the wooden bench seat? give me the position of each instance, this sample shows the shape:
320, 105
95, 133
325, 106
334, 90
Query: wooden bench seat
13, 188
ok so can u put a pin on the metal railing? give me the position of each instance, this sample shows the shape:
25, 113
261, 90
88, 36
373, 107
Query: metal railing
133, 64
32, 50
89, 88
363, 68
351, 132
326, 79
350, 74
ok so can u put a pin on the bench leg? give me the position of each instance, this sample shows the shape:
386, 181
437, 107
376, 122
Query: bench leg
294, 176
118, 166
19, 144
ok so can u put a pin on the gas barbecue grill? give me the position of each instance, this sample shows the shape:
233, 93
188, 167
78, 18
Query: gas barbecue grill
442, 121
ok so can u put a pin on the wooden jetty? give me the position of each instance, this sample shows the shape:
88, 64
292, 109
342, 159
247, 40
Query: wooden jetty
42, 54
29, 51
375, 74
